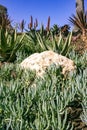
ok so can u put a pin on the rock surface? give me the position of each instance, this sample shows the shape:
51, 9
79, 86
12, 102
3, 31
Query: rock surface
40, 61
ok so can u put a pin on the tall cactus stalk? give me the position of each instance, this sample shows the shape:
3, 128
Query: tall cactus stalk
79, 8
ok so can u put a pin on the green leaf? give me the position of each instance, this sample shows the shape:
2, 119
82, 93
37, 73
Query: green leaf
4, 37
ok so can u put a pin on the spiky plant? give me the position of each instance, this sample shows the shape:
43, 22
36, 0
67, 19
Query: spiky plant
48, 25
5, 22
30, 25
65, 29
35, 24
9, 44
80, 21
22, 25
55, 29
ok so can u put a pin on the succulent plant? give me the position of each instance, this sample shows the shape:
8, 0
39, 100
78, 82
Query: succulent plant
9, 45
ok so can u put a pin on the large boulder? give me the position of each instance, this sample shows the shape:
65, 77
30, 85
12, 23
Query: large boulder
40, 61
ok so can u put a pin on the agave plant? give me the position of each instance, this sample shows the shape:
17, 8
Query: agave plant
60, 45
9, 45
49, 42
37, 38
80, 21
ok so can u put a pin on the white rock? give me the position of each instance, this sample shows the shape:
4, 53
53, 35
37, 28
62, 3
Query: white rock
40, 61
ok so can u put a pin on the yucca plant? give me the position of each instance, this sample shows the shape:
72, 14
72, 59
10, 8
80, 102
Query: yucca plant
80, 21
9, 45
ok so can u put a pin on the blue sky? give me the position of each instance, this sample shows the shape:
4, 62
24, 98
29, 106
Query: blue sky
58, 10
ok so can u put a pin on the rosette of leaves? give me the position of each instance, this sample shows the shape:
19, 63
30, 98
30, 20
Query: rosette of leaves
9, 44
58, 45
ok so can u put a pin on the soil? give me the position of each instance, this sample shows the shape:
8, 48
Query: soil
79, 45
74, 118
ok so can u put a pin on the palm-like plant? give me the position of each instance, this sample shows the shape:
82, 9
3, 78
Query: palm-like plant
5, 22
55, 29
80, 21
65, 29
79, 6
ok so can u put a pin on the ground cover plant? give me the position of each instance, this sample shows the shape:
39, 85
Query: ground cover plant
33, 103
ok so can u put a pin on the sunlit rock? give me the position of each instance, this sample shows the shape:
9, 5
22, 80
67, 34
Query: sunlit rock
40, 61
